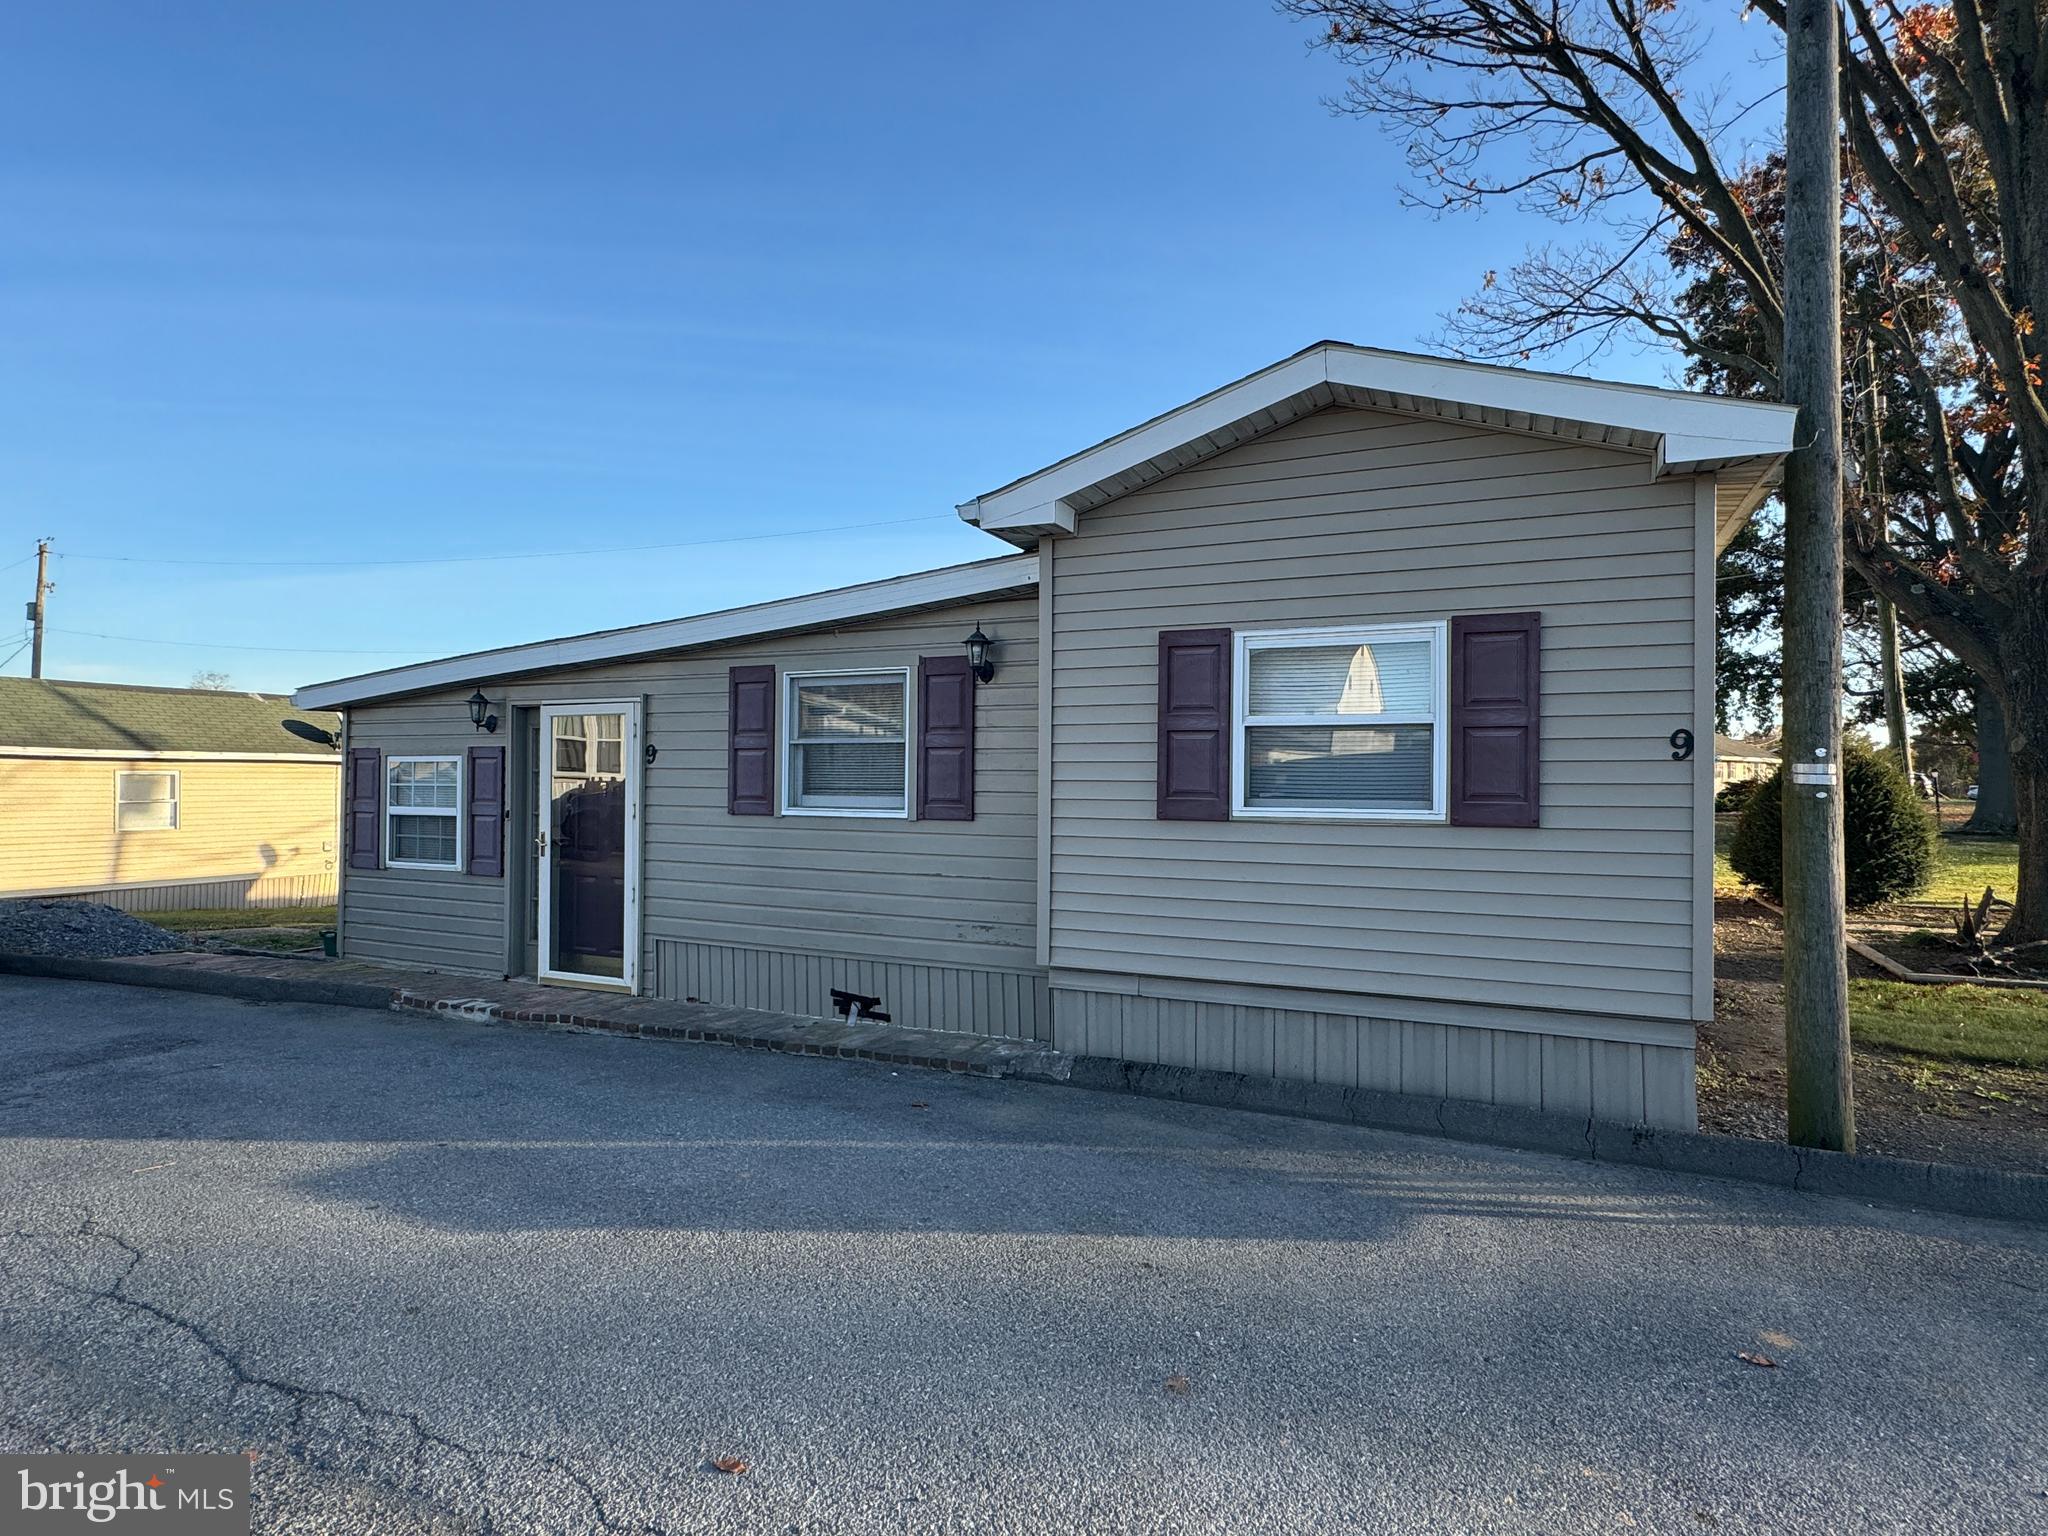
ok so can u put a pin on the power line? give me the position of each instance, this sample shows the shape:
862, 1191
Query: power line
537, 554
218, 645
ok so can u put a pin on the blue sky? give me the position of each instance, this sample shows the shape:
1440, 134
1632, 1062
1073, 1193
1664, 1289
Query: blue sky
375, 281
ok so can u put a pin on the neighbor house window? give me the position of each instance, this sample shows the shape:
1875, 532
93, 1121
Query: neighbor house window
145, 802
1341, 723
849, 749
423, 812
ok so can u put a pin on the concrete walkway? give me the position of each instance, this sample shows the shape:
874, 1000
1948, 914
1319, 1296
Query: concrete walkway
293, 978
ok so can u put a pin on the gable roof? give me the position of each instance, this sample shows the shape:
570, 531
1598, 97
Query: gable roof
1743, 442
1005, 575
39, 714
1733, 749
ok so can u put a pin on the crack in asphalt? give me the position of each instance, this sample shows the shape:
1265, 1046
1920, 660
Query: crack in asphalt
304, 1397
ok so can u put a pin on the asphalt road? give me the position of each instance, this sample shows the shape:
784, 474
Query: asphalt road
445, 1277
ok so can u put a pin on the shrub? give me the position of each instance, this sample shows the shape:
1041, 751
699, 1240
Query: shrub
1888, 836
1735, 794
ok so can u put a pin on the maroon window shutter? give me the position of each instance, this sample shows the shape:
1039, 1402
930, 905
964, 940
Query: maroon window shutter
945, 739
487, 811
1194, 725
750, 742
365, 807
1496, 675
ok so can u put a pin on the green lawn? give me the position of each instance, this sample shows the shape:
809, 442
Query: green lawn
209, 919
1963, 866
1981, 1024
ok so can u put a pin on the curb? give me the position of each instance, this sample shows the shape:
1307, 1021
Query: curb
1997, 1193
255, 989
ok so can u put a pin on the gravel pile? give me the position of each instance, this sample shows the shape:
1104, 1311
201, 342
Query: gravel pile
40, 926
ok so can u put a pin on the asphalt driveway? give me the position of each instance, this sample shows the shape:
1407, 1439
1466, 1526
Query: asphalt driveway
443, 1277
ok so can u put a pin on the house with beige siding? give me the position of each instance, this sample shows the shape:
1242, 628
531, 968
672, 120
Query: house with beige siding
1350, 723
158, 798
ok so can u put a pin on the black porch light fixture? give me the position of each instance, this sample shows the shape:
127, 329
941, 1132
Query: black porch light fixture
480, 714
978, 661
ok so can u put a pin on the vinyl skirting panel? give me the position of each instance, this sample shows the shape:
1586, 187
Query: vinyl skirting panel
1629, 1082
1009, 1004
180, 895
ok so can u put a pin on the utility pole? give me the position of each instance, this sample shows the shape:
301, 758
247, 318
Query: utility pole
44, 586
1819, 1101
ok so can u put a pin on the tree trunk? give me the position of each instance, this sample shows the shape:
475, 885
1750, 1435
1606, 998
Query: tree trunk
2029, 921
2024, 650
1895, 722
1819, 1104
1994, 813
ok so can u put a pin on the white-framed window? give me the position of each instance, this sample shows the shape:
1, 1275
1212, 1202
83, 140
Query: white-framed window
1340, 724
847, 738
423, 812
146, 802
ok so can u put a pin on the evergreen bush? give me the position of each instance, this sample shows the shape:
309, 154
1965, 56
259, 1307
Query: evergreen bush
1888, 835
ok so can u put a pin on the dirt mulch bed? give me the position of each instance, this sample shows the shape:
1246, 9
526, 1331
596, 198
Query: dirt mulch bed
1921, 936
1952, 1112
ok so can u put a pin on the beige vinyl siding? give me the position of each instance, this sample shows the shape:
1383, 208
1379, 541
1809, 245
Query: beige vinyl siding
253, 830
1357, 517
950, 895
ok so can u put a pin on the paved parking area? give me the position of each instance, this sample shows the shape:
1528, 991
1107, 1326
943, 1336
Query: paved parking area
441, 1277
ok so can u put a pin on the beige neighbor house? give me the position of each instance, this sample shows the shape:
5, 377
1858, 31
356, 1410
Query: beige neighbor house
1737, 761
157, 798
1337, 725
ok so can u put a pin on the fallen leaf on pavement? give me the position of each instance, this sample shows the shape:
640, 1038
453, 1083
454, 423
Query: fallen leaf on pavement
1756, 1359
1179, 1385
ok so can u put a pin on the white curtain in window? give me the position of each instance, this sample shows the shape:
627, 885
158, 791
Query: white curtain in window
1378, 677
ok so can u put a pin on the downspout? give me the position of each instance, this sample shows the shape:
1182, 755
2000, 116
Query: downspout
341, 840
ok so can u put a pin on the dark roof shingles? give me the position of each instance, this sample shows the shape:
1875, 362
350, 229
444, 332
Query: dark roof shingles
117, 717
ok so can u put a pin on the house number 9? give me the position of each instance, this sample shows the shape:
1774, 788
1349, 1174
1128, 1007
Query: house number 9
1681, 745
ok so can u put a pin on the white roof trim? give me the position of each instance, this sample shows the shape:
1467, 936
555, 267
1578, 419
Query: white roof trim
922, 589
137, 755
1685, 433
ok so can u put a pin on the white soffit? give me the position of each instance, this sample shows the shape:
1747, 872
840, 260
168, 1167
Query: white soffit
818, 610
1741, 442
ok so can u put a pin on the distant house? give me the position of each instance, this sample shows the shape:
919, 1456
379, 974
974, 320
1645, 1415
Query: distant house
1735, 761
157, 798
1323, 732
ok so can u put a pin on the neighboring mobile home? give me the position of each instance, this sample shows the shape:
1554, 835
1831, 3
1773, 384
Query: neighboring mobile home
1337, 725
157, 798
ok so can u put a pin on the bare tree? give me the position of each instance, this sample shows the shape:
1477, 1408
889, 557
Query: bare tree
1602, 115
